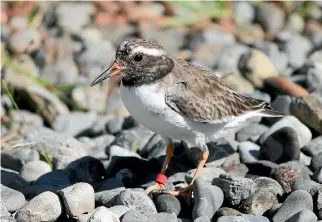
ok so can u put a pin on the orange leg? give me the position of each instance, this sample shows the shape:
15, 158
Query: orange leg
169, 154
202, 160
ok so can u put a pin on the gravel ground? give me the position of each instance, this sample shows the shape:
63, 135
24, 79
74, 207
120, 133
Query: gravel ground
73, 153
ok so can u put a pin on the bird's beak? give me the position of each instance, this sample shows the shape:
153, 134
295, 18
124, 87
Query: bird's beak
114, 70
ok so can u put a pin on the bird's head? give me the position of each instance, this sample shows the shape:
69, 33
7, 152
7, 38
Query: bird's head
138, 62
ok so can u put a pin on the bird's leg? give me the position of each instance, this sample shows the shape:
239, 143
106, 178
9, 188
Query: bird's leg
202, 160
161, 178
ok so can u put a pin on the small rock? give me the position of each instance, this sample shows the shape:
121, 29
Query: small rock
281, 146
12, 180
251, 66
294, 203
86, 169
243, 218
134, 216
57, 178
317, 176
102, 214
166, 203
78, 199
316, 161
306, 160
107, 198
270, 17
282, 104
208, 199
314, 79
163, 217
288, 173
114, 125
16, 157
138, 200
32, 170
26, 117
307, 185
44, 207
202, 219
309, 110
12, 199
261, 167
226, 211
25, 41
248, 152
244, 12
303, 133
108, 184
314, 147
127, 177
208, 174
251, 132
303, 215
4, 210
119, 210
234, 188
318, 203
115, 150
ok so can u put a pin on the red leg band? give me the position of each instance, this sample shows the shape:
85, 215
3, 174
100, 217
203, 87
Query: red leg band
161, 178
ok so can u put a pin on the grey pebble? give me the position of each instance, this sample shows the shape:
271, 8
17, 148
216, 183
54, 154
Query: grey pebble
248, 151
115, 150
137, 199
316, 161
44, 207
108, 198
235, 189
134, 216
244, 12
166, 203
119, 210
208, 174
270, 17
227, 211
108, 184
25, 41
86, 169
314, 147
307, 185
282, 104
12, 180
281, 146
306, 160
208, 199
288, 173
303, 215
4, 210
202, 219
102, 214
15, 158
243, 218
303, 133
163, 217
78, 199
251, 132
114, 125
317, 176
12, 199
32, 170
295, 202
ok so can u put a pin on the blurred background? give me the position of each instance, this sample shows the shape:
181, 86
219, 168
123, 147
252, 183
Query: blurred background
52, 51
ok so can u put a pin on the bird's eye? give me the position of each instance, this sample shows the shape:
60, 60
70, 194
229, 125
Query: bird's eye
138, 57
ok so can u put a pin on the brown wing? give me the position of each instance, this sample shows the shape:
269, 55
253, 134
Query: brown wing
203, 97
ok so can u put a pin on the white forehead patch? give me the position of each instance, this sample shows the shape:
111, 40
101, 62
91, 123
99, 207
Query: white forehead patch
148, 51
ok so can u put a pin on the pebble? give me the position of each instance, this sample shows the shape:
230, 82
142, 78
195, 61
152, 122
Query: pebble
235, 189
134, 216
317, 176
243, 218
78, 199
108, 184
127, 177
227, 211
251, 67
25, 41
213, 34
318, 204
116, 150
307, 185
12, 199
44, 207
16, 157
119, 210
102, 214
208, 199
23, 116
248, 152
107, 198
270, 17
281, 146
316, 161
56, 178
166, 203
75, 123
86, 169
314, 147
251, 132
4, 210
114, 125
208, 173
261, 167
308, 109
303, 215
288, 173
314, 79
306, 160
294, 203
202, 219
163, 217
244, 12
282, 104
32, 170
303, 133
137, 199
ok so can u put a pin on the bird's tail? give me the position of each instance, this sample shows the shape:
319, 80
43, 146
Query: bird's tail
271, 113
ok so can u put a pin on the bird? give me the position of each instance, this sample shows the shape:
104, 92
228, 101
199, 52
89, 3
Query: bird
178, 100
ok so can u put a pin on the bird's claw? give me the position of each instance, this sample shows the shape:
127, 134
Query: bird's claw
156, 186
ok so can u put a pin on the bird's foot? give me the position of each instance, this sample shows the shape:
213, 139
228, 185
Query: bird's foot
156, 186
187, 191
